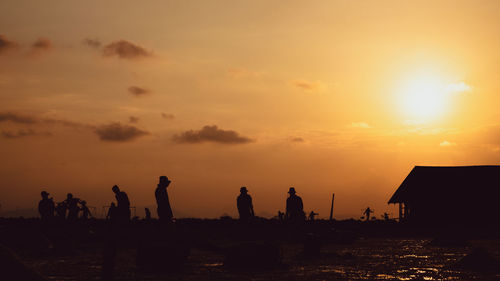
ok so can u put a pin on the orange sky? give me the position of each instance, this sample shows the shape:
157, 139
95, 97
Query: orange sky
329, 96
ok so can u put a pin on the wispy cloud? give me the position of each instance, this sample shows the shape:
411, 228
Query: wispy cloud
458, 87
116, 132
446, 143
363, 125
6, 44
110, 132
167, 116
138, 91
133, 119
40, 46
23, 133
125, 50
17, 118
211, 134
94, 43
308, 85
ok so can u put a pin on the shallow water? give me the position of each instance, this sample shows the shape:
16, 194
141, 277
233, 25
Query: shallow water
366, 259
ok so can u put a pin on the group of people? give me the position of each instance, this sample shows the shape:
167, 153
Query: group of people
294, 207
68, 209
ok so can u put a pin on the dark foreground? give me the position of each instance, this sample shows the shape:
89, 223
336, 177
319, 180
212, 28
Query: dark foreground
265, 250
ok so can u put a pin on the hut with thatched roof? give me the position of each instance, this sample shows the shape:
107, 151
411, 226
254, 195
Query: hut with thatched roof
450, 195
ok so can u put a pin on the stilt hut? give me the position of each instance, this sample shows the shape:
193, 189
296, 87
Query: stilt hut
463, 195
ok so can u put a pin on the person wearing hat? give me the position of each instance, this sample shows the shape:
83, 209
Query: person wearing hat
164, 210
46, 207
294, 207
244, 204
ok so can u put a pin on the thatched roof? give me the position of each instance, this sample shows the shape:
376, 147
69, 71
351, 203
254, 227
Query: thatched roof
457, 184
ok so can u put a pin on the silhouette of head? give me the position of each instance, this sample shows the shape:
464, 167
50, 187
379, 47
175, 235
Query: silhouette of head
115, 189
69, 196
164, 181
44, 194
113, 204
291, 191
83, 203
243, 190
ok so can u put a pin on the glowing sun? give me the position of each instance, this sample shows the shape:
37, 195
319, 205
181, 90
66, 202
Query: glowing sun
424, 98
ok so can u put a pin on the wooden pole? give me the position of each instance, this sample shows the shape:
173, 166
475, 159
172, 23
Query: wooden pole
400, 212
331, 208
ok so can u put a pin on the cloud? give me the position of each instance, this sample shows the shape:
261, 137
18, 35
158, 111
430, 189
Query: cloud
308, 85
6, 44
111, 132
447, 143
125, 50
167, 115
133, 119
138, 91
211, 134
360, 125
297, 139
94, 43
23, 133
17, 118
459, 87
116, 132
28, 119
40, 46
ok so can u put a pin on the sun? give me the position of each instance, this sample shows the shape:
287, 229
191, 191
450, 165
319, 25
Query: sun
423, 98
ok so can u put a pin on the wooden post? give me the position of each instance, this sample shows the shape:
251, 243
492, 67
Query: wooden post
400, 212
331, 208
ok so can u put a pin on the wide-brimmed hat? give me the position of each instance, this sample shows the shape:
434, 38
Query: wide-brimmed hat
243, 188
291, 190
164, 178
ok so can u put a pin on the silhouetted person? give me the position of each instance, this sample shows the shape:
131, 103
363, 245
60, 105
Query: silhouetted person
122, 204
85, 211
112, 213
72, 206
148, 214
46, 207
386, 216
367, 213
161, 194
244, 204
294, 207
281, 216
312, 214
61, 210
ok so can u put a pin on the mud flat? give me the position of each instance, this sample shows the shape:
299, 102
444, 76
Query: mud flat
353, 251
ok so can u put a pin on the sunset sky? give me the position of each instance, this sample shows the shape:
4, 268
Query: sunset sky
326, 96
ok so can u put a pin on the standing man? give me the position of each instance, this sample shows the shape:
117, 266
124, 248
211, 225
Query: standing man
72, 206
244, 204
46, 207
367, 213
294, 207
123, 204
161, 194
